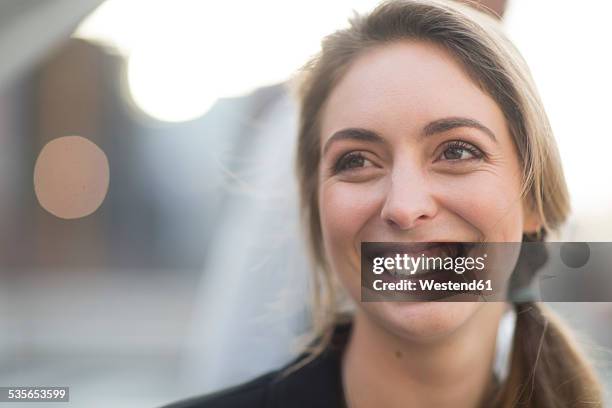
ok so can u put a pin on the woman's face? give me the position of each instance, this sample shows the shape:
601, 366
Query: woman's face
413, 151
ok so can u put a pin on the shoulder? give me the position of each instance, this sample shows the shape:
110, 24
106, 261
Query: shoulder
314, 383
250, 394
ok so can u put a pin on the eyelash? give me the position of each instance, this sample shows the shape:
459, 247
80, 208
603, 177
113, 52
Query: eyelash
459, 144
344, 160
342, 163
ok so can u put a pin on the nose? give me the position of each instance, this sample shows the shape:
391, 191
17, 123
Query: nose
409, 201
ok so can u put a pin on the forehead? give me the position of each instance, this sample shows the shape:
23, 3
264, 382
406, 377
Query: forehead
400, 87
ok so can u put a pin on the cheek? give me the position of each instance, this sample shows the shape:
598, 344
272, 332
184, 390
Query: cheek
345, 208
489, 200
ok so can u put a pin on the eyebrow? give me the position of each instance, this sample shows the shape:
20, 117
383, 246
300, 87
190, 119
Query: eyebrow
446, 124
432, 128
353, 134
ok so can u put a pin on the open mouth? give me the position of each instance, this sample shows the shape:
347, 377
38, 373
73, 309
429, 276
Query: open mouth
405, 260
422, 271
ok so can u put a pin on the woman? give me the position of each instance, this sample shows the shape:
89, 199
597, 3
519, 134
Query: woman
420, 123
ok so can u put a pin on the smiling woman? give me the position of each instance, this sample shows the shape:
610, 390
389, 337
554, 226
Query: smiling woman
420, 123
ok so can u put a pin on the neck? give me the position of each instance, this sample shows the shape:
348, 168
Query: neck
380, 368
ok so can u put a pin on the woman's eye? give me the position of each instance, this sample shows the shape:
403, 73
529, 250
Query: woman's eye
351, 161
456, 151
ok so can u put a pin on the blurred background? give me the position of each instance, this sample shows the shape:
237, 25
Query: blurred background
149, 243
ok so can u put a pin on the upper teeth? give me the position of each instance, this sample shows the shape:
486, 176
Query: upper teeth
407, 272
442, 252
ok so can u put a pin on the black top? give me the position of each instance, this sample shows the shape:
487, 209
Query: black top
318, 384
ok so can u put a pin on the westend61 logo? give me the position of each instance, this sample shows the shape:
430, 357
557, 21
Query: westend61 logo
404, 265
423, 270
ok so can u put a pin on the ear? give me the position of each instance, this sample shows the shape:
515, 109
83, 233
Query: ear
531, 219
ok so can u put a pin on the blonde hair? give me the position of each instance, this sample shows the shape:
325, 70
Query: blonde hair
546, 370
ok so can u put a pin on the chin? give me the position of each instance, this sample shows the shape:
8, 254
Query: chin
421, 321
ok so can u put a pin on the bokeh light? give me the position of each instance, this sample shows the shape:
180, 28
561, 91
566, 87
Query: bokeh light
71, 177
183, 55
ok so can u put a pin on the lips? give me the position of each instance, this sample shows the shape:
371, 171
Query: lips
436, 256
